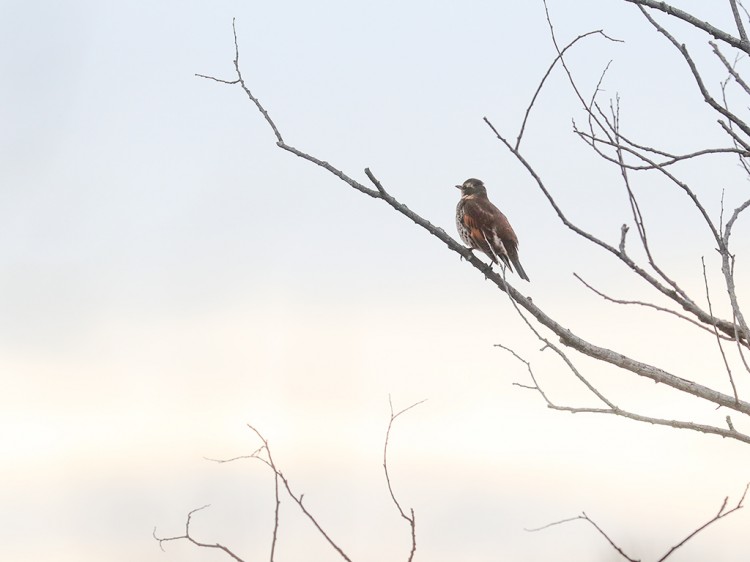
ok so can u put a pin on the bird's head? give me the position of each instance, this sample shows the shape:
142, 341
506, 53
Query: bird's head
472, 186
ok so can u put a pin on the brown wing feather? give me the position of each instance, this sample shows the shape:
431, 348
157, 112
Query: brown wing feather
508, 239
492, 229
477, 234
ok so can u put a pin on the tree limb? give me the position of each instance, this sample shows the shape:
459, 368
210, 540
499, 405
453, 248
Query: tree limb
695, 22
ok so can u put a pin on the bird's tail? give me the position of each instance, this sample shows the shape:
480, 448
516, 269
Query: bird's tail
519, 270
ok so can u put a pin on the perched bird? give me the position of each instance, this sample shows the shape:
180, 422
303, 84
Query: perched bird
482, 226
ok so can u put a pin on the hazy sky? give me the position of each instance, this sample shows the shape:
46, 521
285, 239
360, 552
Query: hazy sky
168, 275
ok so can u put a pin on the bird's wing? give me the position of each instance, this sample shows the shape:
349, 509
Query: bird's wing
481, 220
505, 238
502, 231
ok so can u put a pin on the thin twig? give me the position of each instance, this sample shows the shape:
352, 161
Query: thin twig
738, 21
694, 70
716, 332
410, 518
634, 206
730, 67
549, 71
649, 305
297, 499
593, 141
275, 514
731, 433
585, 517
189, 538
720, 515
695, 22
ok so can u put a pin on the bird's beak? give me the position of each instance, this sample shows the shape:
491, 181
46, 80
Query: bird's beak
459, 186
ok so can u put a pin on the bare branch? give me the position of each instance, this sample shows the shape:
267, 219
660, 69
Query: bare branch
297, 499
409, 518
612, 409
275, 514
623, 233
716, 332
549, 71
593, 141
676, 424
217, 79
649, 305
553, 524
695, 22
742, 331
189, 538
696, 74
679, 297
560, 353
634, 206
681, 184
567, 337
375, 181
720, 515
585, 517
730, 67
735, 137
279, 139
671, 158
738, 21
253, 455
568, 73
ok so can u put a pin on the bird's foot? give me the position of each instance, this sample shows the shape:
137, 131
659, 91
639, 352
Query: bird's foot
487, 270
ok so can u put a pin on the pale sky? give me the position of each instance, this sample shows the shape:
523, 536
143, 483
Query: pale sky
168, 275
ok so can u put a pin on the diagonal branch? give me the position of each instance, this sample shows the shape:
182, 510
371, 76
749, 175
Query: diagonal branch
585, 517
297, 499
707, 97
649, 305
738, 21
720, 515
730, 67
279, 139
566, 336
716, 332
680, 298
558, 58
695, 22
278, 475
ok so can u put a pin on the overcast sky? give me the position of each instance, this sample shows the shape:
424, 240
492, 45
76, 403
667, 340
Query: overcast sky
168, 275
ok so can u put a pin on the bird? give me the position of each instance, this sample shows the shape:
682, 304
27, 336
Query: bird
483, 227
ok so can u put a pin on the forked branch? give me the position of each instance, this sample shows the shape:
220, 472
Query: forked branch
612, 409
723, 512
715, 32
567, 337
263, 454
410, 518
188, 537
